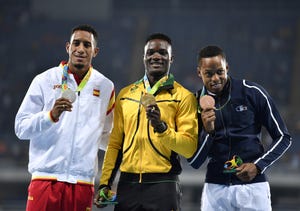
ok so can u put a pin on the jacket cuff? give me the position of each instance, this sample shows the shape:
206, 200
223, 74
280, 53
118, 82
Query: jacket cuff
212, 133
103, 186
258, 169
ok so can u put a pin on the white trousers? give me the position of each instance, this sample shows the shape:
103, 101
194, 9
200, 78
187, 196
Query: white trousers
248, 197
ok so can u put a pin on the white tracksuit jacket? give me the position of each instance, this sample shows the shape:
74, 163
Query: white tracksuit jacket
66, 150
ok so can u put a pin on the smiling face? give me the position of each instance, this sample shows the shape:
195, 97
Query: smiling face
213, 72
157, 58
81, 49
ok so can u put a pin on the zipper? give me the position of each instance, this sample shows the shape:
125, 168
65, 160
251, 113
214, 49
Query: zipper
140, 161
223, 123
229, 143
141, 149
74, 135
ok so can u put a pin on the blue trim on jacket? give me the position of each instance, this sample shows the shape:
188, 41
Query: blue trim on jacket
238, 132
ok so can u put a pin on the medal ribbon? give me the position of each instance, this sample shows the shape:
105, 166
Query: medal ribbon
82, 84
156, 85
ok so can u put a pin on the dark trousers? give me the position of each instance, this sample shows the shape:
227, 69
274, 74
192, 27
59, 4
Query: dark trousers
156, 196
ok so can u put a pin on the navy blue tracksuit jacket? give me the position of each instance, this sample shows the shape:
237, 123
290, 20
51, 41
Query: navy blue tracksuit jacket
238, 128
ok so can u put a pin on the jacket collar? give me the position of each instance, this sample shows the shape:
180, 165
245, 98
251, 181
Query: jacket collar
167, 85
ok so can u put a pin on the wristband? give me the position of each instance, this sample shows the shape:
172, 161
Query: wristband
161, 127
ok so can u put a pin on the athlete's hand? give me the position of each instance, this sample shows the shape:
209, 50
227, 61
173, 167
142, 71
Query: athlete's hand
153, 114
208, 117
61, 105
99, 198
246, 172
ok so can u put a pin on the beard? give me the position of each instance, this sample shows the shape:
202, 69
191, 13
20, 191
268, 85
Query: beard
79, 66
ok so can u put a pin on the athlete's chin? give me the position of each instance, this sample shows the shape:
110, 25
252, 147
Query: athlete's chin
79, 66
157, 72
216, 90
80, 62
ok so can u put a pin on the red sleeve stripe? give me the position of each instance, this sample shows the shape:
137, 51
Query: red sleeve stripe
111, 104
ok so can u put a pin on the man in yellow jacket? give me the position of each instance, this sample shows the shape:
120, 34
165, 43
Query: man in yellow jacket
155, 121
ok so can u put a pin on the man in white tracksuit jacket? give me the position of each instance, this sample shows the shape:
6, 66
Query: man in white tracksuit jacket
67, 115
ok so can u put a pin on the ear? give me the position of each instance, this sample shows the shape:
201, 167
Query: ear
96, 51
199, 71
227, 67
171, 59
67, 47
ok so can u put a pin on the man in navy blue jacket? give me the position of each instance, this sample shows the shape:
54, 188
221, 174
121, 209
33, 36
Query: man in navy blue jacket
230, 137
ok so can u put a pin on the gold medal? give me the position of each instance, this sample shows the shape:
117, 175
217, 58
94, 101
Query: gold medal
148, 99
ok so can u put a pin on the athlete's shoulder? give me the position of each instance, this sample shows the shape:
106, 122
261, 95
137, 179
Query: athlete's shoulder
178, 87
253, 86
50, 73
133, 88
101, 77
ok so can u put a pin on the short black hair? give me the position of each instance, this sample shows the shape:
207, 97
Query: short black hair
211, 51
88, 28
159, 36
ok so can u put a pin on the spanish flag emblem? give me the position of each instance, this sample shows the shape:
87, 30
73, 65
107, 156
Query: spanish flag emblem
96, 92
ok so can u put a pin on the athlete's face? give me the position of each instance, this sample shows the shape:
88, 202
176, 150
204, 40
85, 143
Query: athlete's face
213, 72
81, 49
157, 57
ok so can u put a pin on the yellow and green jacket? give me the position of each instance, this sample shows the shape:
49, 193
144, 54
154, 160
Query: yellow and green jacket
134, 147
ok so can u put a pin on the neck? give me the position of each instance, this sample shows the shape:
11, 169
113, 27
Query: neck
154, 78
79, 71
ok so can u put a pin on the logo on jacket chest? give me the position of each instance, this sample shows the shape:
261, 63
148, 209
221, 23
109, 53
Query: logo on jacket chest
57, 86
241, 108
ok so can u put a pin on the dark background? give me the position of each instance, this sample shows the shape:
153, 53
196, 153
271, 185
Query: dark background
261, 39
